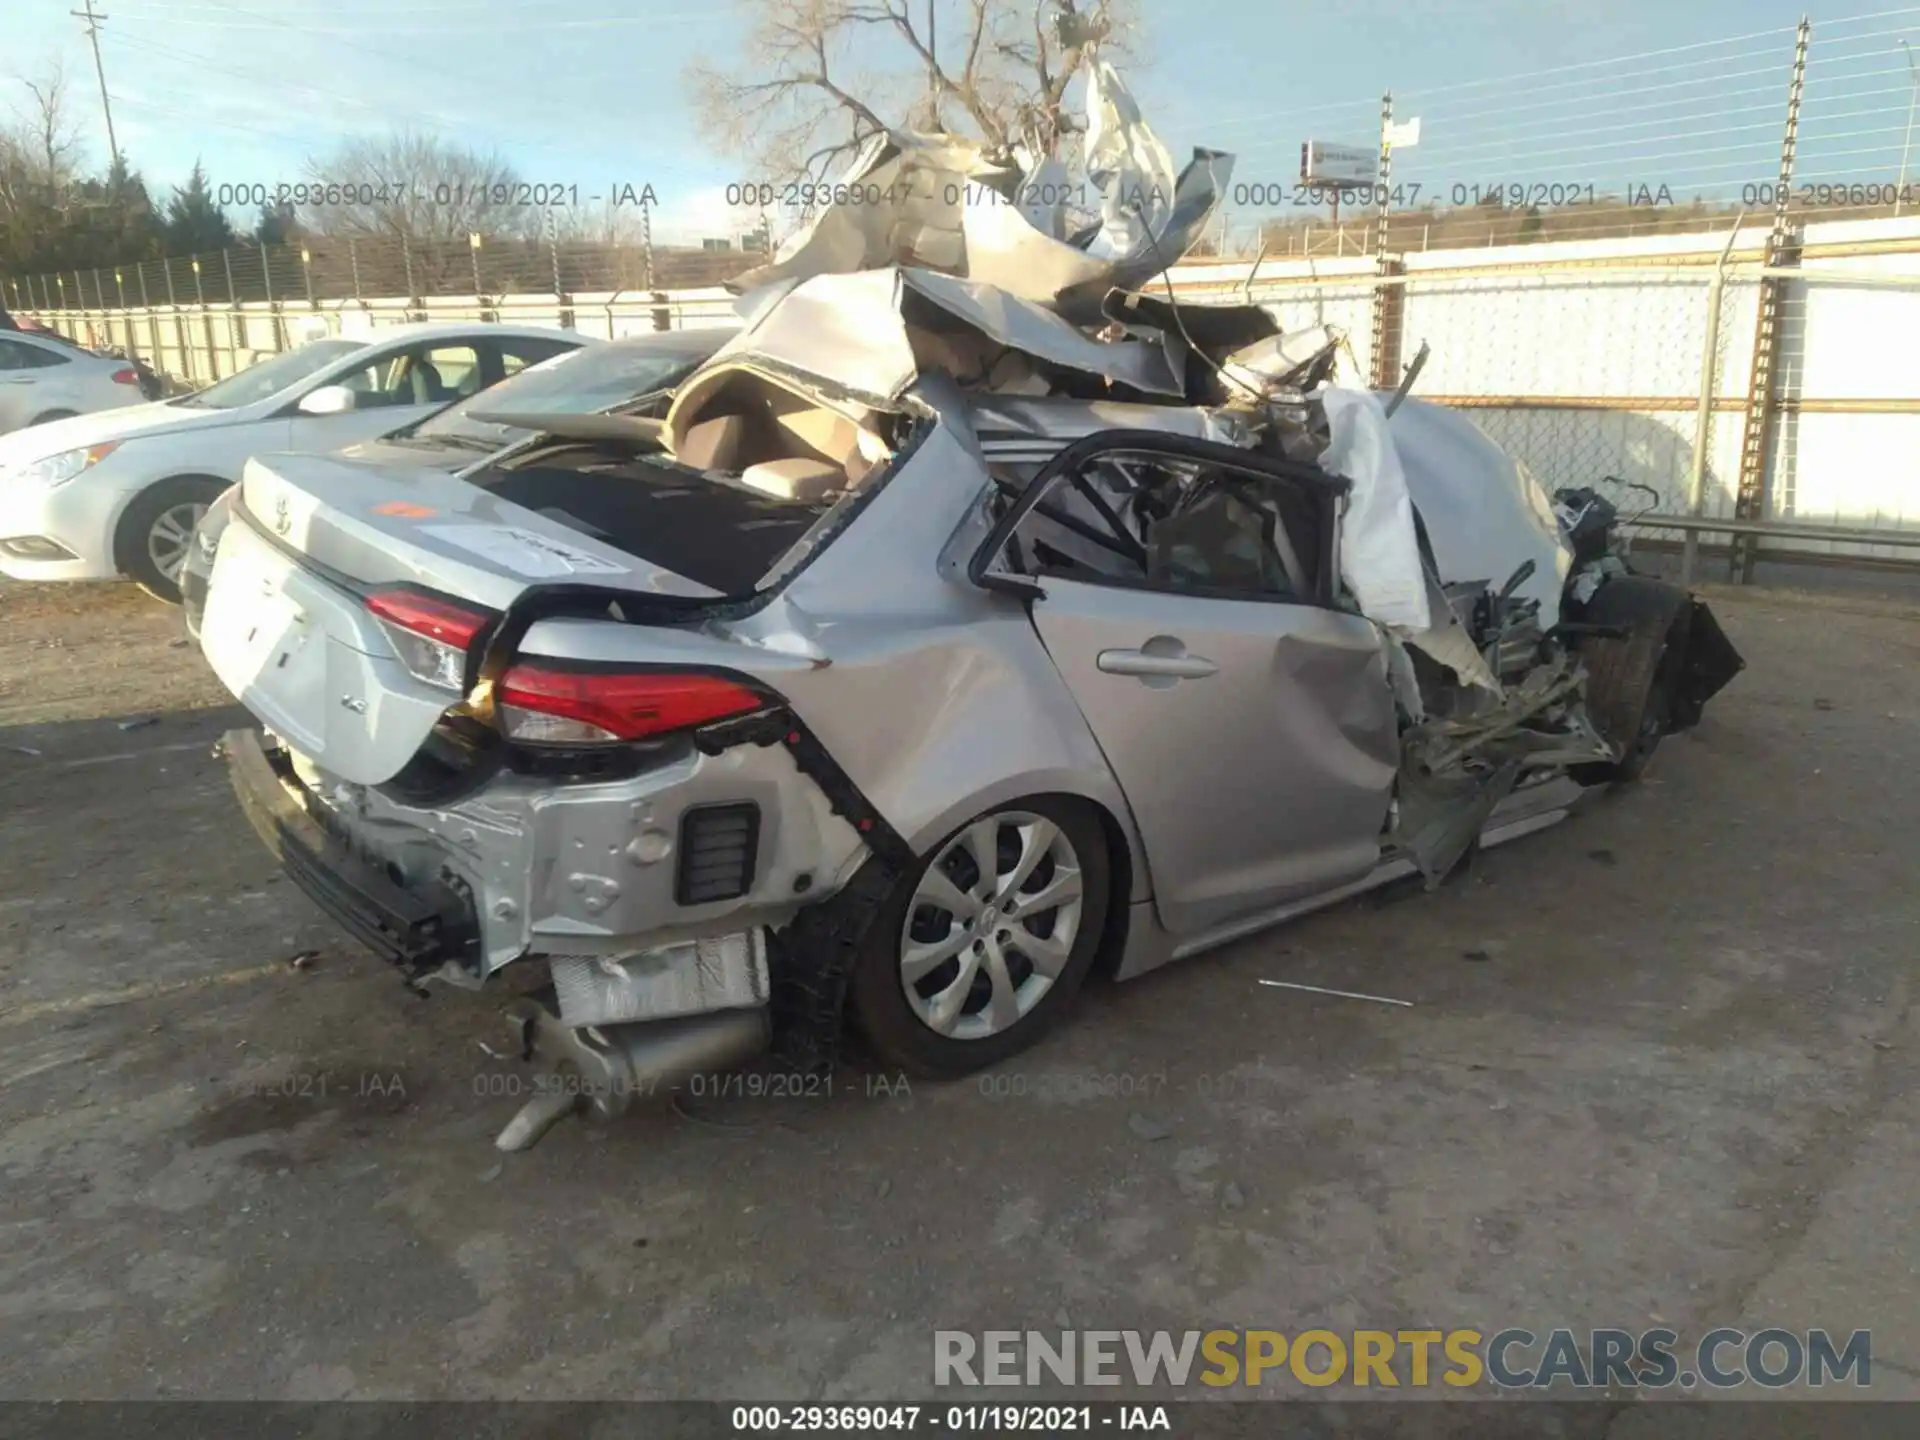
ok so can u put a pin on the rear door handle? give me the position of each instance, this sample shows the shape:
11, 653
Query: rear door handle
1171, 667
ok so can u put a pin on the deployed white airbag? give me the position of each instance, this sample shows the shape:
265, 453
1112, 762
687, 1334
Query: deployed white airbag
1379, 548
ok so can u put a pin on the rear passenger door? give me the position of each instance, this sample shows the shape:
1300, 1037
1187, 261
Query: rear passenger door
1184, 591
31, 379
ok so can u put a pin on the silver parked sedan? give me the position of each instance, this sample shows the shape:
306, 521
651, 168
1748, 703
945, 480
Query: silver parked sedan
43, 377
847, 692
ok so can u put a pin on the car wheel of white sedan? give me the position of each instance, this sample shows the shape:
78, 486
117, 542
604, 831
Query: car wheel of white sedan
156, 533
982, 945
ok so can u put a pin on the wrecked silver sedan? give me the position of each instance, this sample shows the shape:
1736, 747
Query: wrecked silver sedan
931, 650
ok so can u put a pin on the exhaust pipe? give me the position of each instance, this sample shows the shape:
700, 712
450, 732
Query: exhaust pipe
596, 1071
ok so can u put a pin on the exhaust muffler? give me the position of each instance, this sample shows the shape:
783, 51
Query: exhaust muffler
597, 1071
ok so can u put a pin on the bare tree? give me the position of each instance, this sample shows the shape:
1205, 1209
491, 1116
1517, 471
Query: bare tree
818, 77
407, 186
55, 139
39, 152
39, 175
610, 222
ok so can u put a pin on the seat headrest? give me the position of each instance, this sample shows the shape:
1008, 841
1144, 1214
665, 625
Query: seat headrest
712, 444
795, 479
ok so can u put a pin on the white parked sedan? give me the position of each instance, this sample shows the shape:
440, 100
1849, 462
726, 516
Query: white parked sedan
118, 494
44, 378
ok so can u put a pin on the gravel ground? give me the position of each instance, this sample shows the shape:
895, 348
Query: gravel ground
1658, 1067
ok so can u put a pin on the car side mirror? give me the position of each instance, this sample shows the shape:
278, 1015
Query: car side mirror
329, 400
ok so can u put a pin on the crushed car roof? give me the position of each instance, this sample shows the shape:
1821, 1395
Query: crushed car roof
932, 259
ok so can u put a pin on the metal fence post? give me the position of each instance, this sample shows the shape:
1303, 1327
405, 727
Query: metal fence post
120, 289
206, 321
1389, 299
646, 244
233, 312
153, 321
561, 299
1763, 400
273, 305
179, 321
353, 265
1703, 414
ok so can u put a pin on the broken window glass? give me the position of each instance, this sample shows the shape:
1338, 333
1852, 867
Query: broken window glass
1171, 522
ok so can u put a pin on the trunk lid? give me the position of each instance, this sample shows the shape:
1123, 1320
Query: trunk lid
286, 627
390, 524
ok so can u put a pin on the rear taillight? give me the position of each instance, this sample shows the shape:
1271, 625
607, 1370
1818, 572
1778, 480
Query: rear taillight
433, 635
126, 375
545, 704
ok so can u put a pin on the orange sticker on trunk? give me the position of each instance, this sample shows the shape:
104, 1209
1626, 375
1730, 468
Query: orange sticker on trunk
406, 510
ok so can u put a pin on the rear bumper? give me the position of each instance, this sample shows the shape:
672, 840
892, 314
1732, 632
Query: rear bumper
527, 865
418, 929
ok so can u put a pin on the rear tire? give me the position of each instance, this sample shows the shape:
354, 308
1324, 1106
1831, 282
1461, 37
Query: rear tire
947, 980
156, 532
53, 415
1630, 681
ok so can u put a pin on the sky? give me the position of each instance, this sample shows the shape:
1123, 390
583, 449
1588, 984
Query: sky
590, 93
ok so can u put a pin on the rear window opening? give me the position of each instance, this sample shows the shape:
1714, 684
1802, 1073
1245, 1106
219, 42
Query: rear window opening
723, 536
752, 470
1175, 523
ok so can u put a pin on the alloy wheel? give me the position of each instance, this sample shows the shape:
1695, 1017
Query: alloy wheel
991, 925
170, 536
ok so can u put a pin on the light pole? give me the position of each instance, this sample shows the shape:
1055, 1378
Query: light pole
1906, 145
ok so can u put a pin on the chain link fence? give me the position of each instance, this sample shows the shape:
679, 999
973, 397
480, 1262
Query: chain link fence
323, 269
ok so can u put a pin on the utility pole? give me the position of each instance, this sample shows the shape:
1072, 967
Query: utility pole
93, 23
933, 68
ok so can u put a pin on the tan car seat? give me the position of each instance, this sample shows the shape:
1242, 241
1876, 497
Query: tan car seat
712, 444
795, 479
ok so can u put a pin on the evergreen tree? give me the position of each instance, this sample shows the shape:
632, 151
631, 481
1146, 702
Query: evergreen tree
278, 225
194, 223
113, 221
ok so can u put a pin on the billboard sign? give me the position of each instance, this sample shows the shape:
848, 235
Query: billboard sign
1325, 164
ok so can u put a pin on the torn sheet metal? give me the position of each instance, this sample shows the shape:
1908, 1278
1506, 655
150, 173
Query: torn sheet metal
1155, 367
1440, 817
1379, 548
1298, 360
1046, 426
1129, 166
867, 336
943, 203
844, 329
1485, 514
1447, 640
1216, 331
